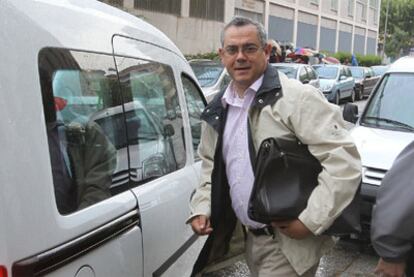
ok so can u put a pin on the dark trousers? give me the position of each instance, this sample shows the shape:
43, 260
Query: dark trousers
409, 270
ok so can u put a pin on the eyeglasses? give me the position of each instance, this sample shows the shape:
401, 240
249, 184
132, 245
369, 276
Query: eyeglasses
247, 49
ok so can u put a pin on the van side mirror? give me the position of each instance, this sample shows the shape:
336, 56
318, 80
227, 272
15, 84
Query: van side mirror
342, 77
169, 130
350, 113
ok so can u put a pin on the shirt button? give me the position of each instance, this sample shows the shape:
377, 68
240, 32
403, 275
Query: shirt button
208, 110
217, 117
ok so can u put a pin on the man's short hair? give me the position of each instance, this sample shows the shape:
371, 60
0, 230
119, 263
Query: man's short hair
240, 21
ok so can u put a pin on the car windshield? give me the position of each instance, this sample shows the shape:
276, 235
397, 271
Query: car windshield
357, 72
327, 72
391, 107
288, 70
207, 74
379, 70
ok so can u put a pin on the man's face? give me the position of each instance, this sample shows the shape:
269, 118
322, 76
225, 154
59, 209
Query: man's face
243, 55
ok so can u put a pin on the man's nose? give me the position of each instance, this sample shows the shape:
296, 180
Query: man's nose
240, 55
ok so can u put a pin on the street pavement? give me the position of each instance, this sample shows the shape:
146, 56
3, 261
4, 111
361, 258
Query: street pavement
348, 257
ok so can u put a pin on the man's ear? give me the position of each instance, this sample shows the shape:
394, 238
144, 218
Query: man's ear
221, 53
267, 49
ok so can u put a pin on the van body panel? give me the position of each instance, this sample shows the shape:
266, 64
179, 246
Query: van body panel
31, 223
162, 197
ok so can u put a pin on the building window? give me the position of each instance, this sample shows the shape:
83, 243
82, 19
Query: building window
207, 9
165, 6
364, 10
334, 5
351, 8
373, 4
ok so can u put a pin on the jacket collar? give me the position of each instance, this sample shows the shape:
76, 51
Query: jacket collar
269, 92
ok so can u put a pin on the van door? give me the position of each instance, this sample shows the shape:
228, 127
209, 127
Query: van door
92, 226
160, 157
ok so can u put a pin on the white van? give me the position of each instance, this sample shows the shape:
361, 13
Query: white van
98, 158
384, 129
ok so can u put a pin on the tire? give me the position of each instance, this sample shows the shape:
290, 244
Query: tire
361, 93
337, 98
352, 97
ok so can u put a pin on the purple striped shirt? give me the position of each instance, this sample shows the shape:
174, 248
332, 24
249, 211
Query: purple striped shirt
236, 150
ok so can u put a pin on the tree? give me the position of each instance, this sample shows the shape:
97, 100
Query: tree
400, 28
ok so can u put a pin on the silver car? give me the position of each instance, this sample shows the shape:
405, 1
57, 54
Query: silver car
211, 75
304, 73
385, 127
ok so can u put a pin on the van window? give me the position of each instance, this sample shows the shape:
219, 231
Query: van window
195, 105
154, 119
77, 90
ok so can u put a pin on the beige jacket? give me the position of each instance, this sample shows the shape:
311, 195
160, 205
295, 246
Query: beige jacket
303, 112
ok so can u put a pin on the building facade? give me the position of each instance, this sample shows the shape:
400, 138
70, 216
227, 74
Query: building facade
329, 25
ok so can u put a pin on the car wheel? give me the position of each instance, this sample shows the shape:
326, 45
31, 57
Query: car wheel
361, 93
337, 98
352, 97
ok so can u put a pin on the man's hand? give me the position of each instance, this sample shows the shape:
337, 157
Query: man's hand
386, 269
201, 225
294, 229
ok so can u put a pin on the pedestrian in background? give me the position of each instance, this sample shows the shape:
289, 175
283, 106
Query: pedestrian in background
392, 226
272, 106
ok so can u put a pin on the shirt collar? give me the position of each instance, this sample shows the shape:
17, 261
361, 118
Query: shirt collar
230, 96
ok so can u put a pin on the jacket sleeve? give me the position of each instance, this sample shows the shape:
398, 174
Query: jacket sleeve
392, 226
320, 125
99, 162
200, 203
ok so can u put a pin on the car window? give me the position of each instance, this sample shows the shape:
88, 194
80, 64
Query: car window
195, 106
303, 75
76, 87
391, 105
311, 73
207, 74
290, 71
154, 119
348, 72
327, 72
357, 72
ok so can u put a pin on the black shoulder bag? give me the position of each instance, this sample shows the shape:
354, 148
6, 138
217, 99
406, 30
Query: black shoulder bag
285, 175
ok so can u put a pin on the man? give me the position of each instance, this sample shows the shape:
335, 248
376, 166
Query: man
272, 106
392, 228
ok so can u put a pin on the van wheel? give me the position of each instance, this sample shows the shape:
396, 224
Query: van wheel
337, 98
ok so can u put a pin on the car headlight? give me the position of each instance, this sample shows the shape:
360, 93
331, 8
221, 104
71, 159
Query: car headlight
154, 166
327, 87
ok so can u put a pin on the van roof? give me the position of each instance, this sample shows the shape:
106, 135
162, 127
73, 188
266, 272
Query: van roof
404, 64
82, 24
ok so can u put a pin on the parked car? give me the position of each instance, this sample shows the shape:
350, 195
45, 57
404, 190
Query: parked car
211, 75
336, 82
379, 70
100, 121
365, 80
384, 128
304, 73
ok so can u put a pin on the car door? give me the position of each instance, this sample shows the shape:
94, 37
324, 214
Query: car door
371, 80
160, 155
75, 224
303, 75
313, 77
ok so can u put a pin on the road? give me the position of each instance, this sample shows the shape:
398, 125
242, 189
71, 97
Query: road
347, 258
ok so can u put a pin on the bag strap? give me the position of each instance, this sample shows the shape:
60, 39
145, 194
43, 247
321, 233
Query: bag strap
252, 151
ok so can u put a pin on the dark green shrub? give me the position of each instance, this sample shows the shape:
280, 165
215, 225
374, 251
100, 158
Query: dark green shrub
209, 56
